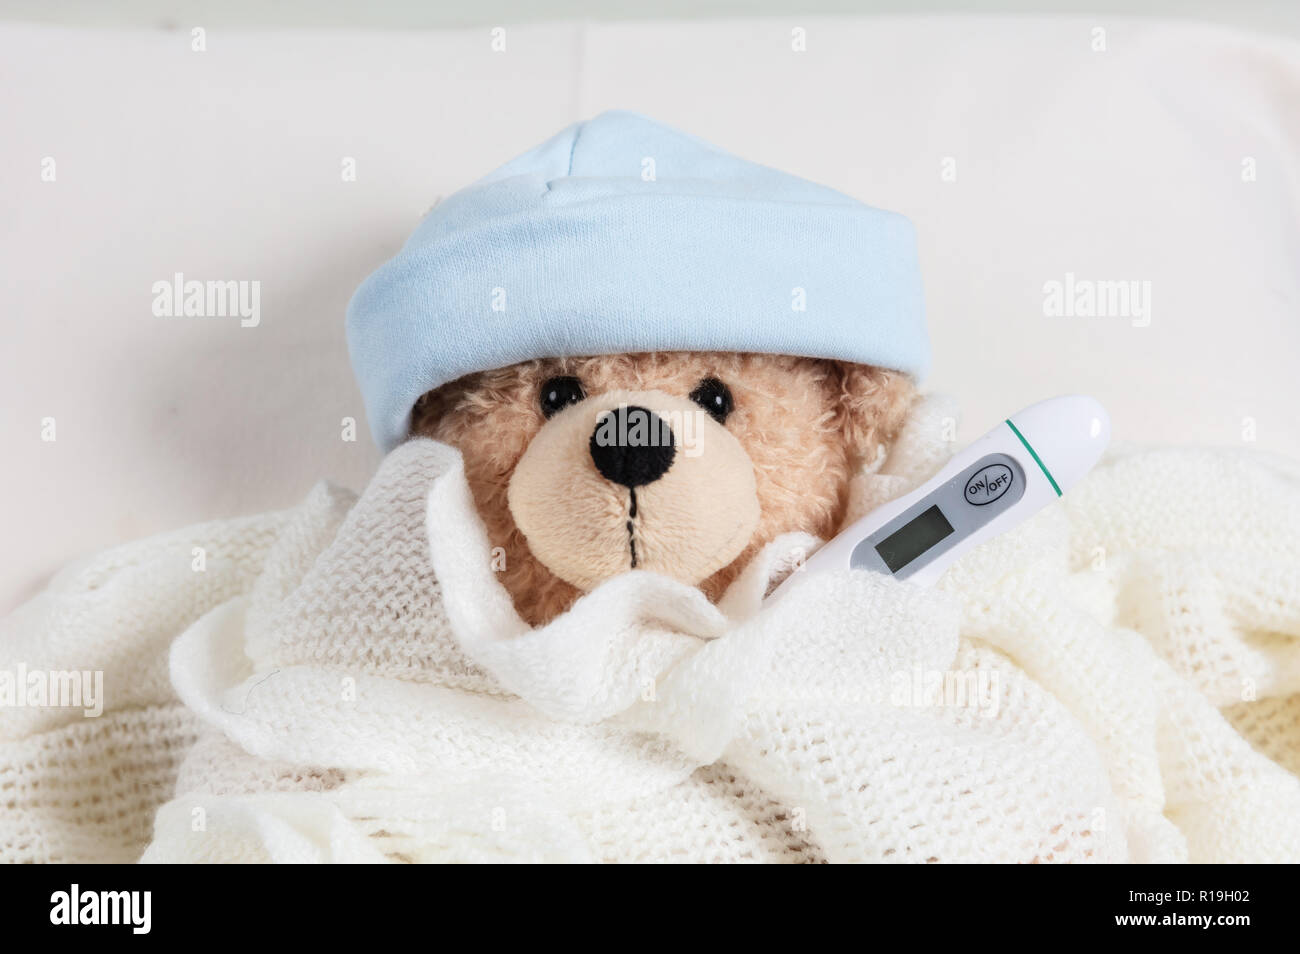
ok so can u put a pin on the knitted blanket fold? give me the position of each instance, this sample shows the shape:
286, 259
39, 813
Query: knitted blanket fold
1116, 679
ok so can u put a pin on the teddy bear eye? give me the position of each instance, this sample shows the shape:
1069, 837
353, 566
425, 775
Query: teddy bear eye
715, 397
559, 393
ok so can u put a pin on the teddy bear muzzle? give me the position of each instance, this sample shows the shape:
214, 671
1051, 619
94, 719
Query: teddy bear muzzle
634, 481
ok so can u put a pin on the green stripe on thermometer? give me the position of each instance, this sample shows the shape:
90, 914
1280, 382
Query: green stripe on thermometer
1034, 454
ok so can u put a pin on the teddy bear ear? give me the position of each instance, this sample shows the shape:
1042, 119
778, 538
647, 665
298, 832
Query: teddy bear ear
424, 415
434, 406
872, 404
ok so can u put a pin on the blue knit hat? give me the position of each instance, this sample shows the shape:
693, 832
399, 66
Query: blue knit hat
621, 235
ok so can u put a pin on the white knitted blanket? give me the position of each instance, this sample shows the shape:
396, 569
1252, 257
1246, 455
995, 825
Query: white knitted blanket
1117, 679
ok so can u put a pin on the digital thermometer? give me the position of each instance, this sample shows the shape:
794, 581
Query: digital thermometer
1006, 476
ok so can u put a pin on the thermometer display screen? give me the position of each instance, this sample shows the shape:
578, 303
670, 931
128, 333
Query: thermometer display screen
913, 538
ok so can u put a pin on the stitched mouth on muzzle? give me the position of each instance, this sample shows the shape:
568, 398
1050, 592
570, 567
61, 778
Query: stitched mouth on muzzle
631, 534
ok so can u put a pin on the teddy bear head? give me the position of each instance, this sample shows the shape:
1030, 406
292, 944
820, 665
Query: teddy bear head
680, 463
652, 354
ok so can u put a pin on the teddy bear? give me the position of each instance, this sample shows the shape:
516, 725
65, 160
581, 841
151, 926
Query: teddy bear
651, 354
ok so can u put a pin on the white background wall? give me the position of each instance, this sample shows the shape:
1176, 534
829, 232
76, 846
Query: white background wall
1264, 15
1120, 164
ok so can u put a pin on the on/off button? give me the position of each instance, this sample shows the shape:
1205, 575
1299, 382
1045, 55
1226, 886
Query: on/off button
988, 484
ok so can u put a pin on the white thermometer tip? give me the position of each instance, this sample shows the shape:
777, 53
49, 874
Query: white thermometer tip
1067, 434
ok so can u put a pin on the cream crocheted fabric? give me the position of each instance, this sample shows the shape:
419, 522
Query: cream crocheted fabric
1117, 679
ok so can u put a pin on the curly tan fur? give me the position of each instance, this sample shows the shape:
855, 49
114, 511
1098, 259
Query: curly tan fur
807, 425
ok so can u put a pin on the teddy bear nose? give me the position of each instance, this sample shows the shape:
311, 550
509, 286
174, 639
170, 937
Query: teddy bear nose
632, 446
